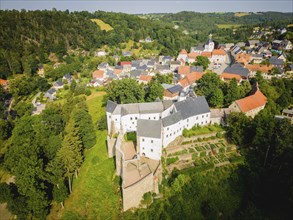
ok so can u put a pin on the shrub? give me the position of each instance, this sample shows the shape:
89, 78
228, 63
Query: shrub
130, 136
172, 160
87, 92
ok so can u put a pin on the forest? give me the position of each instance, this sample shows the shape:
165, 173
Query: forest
39, 34
200, 25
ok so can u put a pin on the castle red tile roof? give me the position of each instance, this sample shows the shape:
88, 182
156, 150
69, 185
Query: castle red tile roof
251, 102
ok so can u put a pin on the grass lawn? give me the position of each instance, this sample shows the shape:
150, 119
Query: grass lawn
102, 24
96, 192
198, 130
229, 25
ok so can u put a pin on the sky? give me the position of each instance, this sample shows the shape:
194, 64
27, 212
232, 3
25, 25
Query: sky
152, 6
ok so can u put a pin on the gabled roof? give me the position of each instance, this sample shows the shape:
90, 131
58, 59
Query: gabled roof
184, 82
98, 74
193, 76
196, 69
111, 106
262, 68
3, 82
219, 52
175, 89
192, 106
151, 107
206, 54
129, 109
257, 99
183, 51
51, 91
117, 71
172, 119
149, 128
275, 61
183, 70
145, 78
230, 76
193, 55
237, 69
125, 63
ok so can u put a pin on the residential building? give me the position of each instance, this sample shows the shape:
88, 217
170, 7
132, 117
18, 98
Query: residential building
250, 105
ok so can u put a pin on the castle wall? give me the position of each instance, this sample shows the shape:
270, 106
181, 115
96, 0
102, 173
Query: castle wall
111, 147
133, 194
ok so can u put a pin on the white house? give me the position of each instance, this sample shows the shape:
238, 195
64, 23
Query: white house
157, 123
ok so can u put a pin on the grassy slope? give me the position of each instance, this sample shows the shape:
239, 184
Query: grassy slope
96, 192
102, 24
228, 25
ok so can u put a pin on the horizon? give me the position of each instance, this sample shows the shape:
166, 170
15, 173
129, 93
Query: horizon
152, 7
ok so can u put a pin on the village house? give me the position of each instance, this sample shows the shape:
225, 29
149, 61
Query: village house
126, 66
190, 79
4, 83
227, 77
126, 54
145, 79
103, 66
172, 93
218, 56
100, 53
174, 65
250, 105
237, 69
182, 55
276, 62
98, 74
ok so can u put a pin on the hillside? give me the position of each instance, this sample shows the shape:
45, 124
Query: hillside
37, 34
201, 24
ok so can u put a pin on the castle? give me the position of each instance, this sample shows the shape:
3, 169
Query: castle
156, 124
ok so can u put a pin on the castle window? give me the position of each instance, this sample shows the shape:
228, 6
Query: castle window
152, 141
143, 140
207, 115
152, 150
130, 118
167, 129
135, 118
149, 118
196, 117
202, 116
155, 118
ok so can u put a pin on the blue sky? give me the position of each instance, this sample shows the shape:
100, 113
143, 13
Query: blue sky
151, 6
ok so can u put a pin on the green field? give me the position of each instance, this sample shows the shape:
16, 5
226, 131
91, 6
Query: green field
102, 24
229, 25
96, 192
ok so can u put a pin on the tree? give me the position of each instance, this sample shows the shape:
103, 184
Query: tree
156, 90
202, 61
125, 91
60, 193
233, 92
71, 151
216, 98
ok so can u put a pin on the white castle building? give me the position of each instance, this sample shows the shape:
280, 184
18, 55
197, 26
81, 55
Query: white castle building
157, 123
